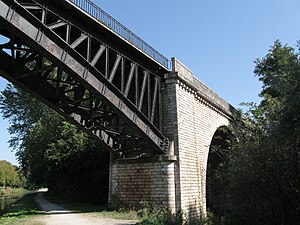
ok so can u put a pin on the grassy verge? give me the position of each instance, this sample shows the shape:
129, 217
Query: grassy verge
21, 212
120, 215
93, 209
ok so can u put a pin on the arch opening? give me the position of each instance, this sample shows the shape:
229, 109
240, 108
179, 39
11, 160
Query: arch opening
217, 170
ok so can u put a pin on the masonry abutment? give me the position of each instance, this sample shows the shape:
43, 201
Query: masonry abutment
156, 179
191, 113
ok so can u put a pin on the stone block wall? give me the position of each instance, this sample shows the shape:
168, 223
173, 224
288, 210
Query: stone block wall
200, 112
195, 134
133, 181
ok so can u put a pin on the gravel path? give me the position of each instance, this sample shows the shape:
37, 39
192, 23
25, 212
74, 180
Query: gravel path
57, 215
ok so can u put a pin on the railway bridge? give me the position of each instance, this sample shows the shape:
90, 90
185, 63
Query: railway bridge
154, 116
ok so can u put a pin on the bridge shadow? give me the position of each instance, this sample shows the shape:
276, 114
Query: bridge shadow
62, 209
25, 206
54, 205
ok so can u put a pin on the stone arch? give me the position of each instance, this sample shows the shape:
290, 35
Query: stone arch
221, 122
215, 161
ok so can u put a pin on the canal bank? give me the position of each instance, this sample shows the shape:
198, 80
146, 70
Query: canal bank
23, 211
10, 195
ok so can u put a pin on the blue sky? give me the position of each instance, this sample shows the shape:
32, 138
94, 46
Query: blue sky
218, 40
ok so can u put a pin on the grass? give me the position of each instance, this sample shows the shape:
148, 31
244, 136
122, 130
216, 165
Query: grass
22, 221
22, 212
120, 215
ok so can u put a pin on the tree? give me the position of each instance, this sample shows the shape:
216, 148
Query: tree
10, 175
22, 111
265, 164
52, 152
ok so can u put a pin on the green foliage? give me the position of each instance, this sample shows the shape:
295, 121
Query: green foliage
53, 153
160, 216
257, 179
10, 175
213, 219
22, 111
265, 164
156, 215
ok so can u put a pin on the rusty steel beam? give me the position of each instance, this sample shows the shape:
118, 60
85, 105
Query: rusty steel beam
77, 67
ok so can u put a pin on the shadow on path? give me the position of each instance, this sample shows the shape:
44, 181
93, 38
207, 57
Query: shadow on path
58, 215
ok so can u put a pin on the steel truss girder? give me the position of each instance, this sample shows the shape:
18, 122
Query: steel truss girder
106, 93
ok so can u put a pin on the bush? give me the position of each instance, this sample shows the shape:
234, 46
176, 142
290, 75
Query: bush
155, 215
162, 216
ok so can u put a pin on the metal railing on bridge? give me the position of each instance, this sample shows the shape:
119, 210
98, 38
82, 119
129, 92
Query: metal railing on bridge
103, 17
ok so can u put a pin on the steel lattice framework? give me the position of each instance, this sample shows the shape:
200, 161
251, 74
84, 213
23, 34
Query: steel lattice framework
79, 73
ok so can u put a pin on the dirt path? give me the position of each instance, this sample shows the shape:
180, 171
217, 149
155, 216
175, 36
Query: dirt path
57, 215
